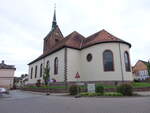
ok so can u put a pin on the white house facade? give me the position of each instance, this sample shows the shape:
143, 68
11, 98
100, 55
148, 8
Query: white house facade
100, 57
140, 70
6, 75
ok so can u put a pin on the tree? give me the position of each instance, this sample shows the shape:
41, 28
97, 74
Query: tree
46, 75
148, 67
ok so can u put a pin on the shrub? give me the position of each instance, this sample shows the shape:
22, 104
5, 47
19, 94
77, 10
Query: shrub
73, 90
89, 94
38, 83
135, 80
84, 94
125, 89
112, 94
99, 89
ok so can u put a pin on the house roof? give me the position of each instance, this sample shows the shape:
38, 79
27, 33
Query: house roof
73, 40
5, 66
76, 41
144, 62
102, 37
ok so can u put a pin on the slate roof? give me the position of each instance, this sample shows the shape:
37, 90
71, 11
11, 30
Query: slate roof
5, 66
76, 41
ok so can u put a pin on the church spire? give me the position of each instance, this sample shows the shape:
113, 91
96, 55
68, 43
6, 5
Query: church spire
54, 23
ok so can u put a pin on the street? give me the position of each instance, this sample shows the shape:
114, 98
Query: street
27, 102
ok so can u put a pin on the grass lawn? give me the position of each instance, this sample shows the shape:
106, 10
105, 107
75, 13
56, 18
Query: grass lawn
134, 84
140, 84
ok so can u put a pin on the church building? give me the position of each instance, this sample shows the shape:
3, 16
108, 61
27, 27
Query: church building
100, 57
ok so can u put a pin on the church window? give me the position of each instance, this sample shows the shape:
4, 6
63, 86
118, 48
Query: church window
31, 72
89, 57
108, 60
35, 71
56, 66
41, 67
127, 61
47, 64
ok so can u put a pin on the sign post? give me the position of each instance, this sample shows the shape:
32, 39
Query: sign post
78, 88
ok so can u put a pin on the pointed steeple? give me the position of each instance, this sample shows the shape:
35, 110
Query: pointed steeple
54, 23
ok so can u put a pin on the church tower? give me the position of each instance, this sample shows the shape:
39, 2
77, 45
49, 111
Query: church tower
53, 37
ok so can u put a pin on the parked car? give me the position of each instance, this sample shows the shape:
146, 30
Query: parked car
4, 91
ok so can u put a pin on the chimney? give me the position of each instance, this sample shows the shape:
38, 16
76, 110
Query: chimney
2, 61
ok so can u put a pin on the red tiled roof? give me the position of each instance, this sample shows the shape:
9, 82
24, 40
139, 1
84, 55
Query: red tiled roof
77, 41
101, 37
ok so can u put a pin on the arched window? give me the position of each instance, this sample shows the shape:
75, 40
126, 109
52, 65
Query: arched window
108, 60
41, 67
35, 71
127, 61
56, 66
47, 64
31, 72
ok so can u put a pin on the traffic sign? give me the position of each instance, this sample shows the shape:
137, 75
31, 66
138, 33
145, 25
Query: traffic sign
77, 75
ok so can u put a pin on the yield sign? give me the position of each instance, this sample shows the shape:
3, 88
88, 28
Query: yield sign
77, 75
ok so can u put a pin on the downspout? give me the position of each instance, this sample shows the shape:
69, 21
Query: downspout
121, 63
65, 68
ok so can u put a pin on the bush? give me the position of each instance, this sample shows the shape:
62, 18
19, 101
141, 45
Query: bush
84, 94
99, 89
125, 89
112, 94
38, 83
135, 80
90, 94
73, 90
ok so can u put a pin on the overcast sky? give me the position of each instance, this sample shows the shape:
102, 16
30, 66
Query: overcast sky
24, 24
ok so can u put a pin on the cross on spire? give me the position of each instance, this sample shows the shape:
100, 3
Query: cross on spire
54, 23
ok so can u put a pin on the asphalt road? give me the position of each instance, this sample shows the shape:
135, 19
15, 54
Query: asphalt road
27, 102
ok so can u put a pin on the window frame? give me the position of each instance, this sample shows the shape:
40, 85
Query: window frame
41, 69
129, 64
89, 55
47, 64
36, 68
56, 65
113, 68
31, 73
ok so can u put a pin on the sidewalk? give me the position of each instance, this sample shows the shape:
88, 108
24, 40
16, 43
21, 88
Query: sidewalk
44, 93
143, 93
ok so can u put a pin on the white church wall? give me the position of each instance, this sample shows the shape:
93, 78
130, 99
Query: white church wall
60, 54
34, 80
73, 63
59, 77
93, 70
89, 71
127, 75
